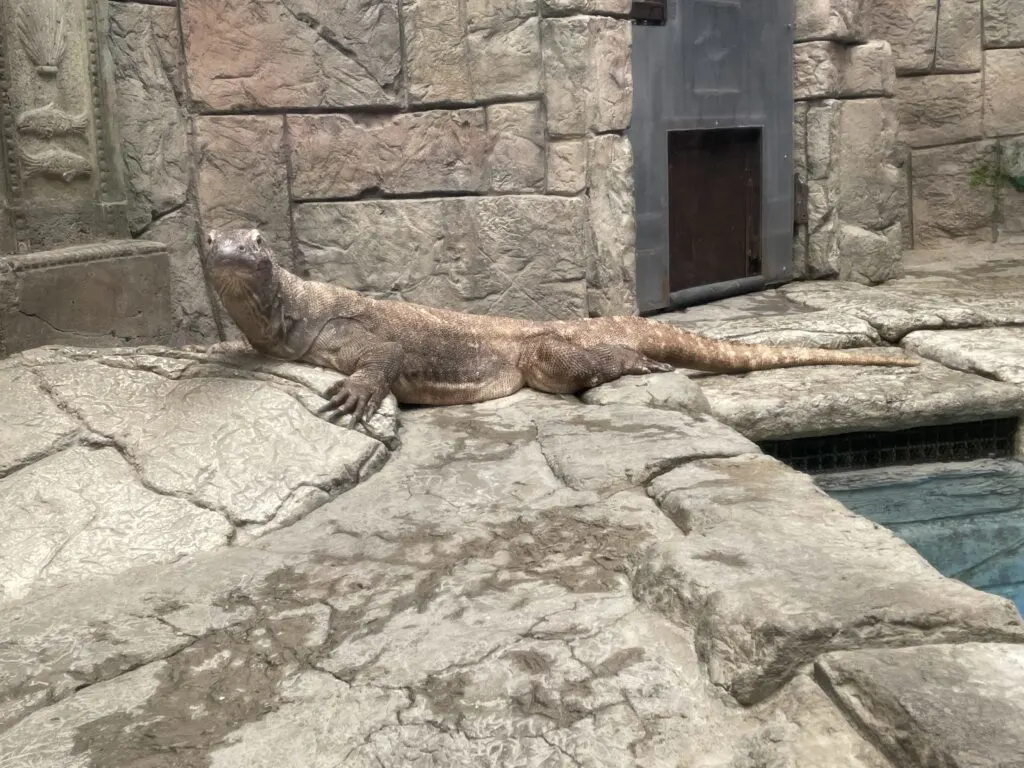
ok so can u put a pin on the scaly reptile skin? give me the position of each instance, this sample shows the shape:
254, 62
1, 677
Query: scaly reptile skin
432, 356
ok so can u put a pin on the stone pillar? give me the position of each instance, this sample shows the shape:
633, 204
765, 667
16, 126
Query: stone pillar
847, 146
70, 273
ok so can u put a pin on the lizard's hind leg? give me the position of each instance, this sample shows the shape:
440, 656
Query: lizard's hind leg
553, 364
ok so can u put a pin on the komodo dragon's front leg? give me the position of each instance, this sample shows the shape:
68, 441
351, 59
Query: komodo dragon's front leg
372, 367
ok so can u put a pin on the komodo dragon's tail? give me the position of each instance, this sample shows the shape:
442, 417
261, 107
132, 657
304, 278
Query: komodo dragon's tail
668, 344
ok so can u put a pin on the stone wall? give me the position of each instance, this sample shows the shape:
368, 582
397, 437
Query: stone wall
468, 154
847, 149
910, 128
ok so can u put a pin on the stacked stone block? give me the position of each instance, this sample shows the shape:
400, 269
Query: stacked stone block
467, 153
959, 88
847, 148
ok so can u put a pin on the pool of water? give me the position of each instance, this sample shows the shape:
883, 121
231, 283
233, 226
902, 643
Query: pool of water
965, 518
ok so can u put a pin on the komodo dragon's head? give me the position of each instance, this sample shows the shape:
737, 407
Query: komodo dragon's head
241, 265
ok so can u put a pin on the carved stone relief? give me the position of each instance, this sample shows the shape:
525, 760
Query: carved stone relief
64, 183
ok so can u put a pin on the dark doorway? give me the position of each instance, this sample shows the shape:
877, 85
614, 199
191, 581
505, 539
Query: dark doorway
713, 104
714, 206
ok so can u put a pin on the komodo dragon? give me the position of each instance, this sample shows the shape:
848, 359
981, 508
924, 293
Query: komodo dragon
430, 356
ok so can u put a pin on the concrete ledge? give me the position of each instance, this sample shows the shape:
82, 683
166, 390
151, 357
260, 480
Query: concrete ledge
773, 573
832, 400
100, 295
956, 706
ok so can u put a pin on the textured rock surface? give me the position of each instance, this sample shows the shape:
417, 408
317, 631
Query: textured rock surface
153, 122
941, 289
840, 20
516, 142
522, 255
191, 297
958, 39
147, 58
792, 402
588, 82
997, 353
951, 198
1003, 23
536, 580
611, 270
937, 705
267, 105
504, 588
1004, 112
249, 54
148, 456
674, 391
763, 598
939, 109
416, 153
824, 69
910, 28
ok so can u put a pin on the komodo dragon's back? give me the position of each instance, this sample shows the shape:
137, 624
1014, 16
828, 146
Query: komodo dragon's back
433, 356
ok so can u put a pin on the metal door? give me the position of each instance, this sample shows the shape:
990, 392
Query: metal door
715, 66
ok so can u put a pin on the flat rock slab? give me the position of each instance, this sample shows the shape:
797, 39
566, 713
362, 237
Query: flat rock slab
773, 573
472, 602
948, 706
827, 329
114, 459
833, 400
672, 391
902, 306
997, 353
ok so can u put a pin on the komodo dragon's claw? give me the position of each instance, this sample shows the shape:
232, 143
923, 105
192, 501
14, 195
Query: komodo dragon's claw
359, 398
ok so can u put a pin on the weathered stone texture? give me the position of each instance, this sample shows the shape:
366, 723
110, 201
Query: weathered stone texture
436, 58
566, 166
936, 292
145, 44
958, 42
949, 705
249, 54
939, 109
1004, 107
415, 153
611, 274
789, 403
516, 143
1010, 218
87, 533
516, 255
505, 62
870, 256
910, 27
838, 20
490, 51
831, 70
109, 294
243, 177
194, 320
952, 197
588, 81
869, 163
758, 616
1003, 23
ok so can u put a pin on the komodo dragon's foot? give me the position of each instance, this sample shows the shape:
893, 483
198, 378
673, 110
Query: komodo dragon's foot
359, 397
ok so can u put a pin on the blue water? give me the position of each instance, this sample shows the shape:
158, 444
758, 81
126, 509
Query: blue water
965, 518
